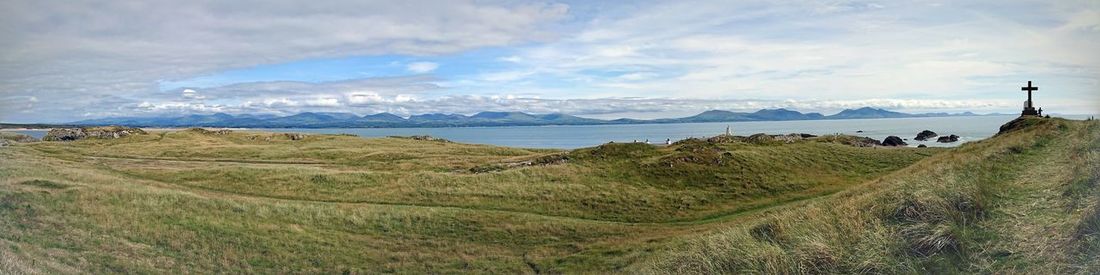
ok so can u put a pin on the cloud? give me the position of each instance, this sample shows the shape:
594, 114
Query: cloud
111, 57
421, 67
100, 49
191, 94
841, 50
409, 96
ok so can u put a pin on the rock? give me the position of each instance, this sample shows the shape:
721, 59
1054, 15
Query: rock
922, 146
760, 138
861, 141
111, 132
724, 139
925, 135
866, 142
220, 132
105, 132
788, 138
893, 141
294, 136
429, 138
65, 134
5, 143
1019, 123
948, 139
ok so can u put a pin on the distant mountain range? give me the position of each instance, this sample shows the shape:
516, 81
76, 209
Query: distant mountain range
387, 120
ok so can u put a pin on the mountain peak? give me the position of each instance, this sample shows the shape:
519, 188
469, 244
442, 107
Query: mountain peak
868, 112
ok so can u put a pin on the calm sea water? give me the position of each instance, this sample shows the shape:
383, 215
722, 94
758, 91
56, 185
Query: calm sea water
569, 137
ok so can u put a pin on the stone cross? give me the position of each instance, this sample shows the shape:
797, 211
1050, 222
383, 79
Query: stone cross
1029, 107
1029, 88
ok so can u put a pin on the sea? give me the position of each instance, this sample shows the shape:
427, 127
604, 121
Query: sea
968, 128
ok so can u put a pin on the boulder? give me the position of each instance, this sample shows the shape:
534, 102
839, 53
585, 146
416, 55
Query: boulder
948, 139
922, 146
925, 135
893, 141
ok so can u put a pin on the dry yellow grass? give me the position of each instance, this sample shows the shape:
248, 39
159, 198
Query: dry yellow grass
201, 202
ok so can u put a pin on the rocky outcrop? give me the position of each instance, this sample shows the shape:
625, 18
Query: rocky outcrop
219, 132
893, 141
948, 139
759, 138
1019, 123
725, 139
793, 137
863, 142
922, 146
106, 132
428, 138
65, 134
925, 135
111, 132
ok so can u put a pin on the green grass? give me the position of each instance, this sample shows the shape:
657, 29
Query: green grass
614, 182
203, 202
1021, 202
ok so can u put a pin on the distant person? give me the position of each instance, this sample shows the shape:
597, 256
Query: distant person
668, 141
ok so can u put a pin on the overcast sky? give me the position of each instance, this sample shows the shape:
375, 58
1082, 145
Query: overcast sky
71, 60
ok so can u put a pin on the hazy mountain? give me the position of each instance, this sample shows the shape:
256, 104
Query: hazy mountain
387, 120
761, 115
384, 117
868, 112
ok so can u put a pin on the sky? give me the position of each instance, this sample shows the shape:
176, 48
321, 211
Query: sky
64, 61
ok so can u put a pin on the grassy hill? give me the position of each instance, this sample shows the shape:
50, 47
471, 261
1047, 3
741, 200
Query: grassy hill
1024, 201
200, 201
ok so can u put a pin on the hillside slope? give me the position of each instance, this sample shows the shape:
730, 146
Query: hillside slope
1024, 201
251, 202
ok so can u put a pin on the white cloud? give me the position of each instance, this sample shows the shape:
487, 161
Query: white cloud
64, 58
323, 102
705, 54
403, 98
421, 67
637, 76
357, 98
512, 59
191, 94
843, 50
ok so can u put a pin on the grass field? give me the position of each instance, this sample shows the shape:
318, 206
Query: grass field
201, 202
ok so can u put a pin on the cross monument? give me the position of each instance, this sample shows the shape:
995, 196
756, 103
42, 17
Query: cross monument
1029, 107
